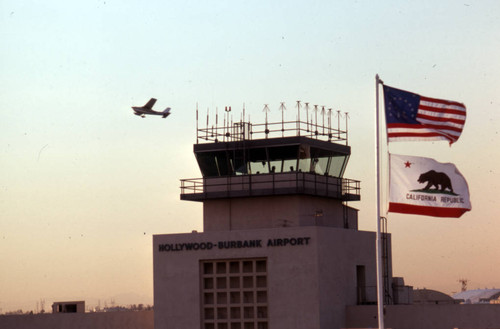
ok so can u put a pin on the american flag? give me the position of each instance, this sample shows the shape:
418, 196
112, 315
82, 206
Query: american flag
411, 117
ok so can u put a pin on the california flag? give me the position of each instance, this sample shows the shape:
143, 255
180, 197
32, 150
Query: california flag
423, 186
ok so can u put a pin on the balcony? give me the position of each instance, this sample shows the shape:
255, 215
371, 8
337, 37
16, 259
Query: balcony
290, 183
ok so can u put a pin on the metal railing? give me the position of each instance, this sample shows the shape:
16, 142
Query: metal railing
271, 184
240, 131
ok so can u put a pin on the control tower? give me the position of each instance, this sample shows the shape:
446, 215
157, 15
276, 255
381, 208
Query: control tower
272, 175
280, 246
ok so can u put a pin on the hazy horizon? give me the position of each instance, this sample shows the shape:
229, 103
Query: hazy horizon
85, 183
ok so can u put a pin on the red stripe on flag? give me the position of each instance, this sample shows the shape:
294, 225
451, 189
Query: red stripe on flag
441, 119
441, 101
442, 127
416, 135
414, 130
441, 110
426, 211
405, 126
420, 137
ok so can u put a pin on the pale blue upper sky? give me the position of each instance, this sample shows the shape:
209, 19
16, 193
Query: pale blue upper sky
85, 183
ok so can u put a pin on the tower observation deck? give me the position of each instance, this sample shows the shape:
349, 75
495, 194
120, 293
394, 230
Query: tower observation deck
241, 159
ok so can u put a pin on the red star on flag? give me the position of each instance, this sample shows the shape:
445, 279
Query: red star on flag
407, 164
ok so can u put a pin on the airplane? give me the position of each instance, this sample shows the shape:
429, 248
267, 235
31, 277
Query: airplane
148, 109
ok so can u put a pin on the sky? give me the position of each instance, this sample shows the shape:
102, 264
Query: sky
84, 183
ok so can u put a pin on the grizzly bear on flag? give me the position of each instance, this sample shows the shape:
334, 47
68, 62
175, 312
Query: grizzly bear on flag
433, 178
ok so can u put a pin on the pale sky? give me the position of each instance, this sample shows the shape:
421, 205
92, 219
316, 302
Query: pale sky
84, 183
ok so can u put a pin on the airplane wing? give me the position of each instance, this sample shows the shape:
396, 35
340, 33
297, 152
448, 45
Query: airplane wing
149, 105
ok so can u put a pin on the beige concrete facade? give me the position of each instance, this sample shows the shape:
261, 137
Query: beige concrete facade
311, 273
275, 211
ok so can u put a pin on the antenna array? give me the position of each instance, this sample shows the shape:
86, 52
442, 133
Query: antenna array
245, 130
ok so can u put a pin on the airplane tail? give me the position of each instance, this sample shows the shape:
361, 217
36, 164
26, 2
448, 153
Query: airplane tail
166, 113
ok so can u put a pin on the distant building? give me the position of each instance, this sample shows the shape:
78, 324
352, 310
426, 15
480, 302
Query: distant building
68, 307
428, 296
478, 296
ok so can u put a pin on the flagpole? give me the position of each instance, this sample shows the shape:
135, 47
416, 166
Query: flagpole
380, 295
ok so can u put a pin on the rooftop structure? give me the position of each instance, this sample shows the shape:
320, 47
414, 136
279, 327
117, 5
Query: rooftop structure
242, 159
429, 296
478, 296
69, 307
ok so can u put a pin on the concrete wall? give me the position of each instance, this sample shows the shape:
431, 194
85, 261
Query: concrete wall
274, 211
309, 285
292, 293
62, 307
427, 316
109, 320
339, 254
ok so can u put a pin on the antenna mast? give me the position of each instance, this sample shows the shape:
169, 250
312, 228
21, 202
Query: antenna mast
282, 108
226, 120
329, 124
323, 120
338, 124
267, 110
316, 121
346, 128
197, 123
206, 133
464, 284
298, 117
307, 116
